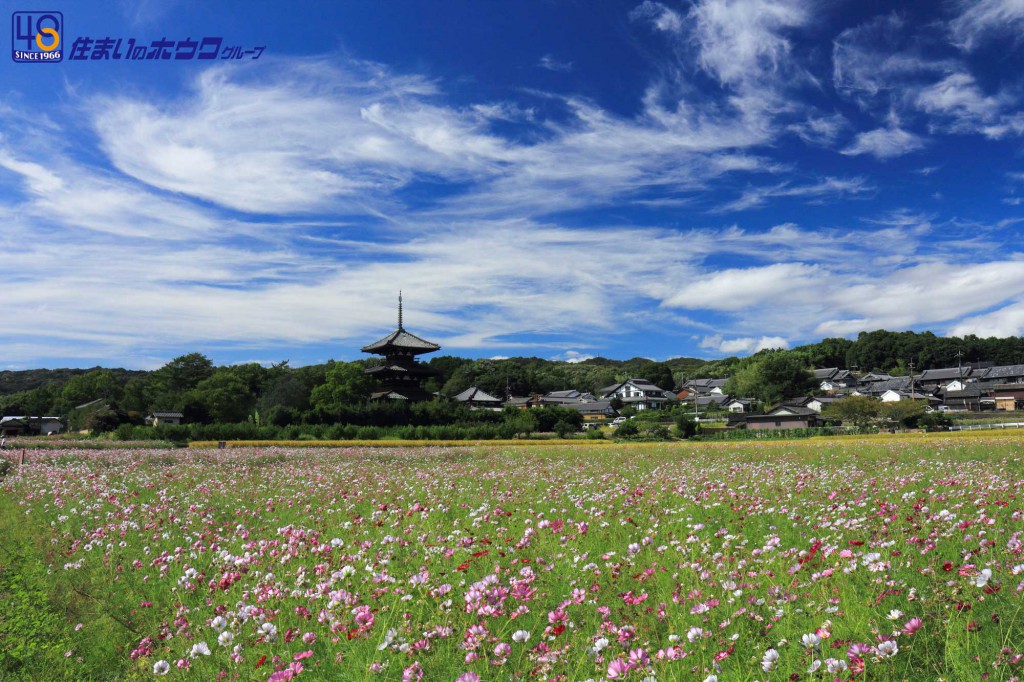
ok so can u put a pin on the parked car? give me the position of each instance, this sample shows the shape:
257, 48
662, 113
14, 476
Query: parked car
619, 421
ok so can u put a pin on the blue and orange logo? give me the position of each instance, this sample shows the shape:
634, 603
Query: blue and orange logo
36, 37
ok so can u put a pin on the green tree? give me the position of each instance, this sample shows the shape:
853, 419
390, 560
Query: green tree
102, 421
860, 410
137, 395
686, 427
224, 397
772, 377
94, 384
178, 376
627, 429
345, 385
906, 413
520, 422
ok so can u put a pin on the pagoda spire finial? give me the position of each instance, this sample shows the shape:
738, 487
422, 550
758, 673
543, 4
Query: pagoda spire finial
400, 309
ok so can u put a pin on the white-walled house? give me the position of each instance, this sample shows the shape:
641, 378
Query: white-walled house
640, 393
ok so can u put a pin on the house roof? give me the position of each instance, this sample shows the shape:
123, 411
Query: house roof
791, 410
1003, 372
944, 374
598, 406
706, 384
891, 384
571, 393
826, 373
642, 384
476, 395
167, 415
966, 393
567, 397
790, 415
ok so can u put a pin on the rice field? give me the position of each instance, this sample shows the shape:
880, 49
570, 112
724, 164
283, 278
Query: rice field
874, 559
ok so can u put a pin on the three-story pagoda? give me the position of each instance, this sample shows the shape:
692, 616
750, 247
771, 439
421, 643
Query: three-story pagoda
400, 374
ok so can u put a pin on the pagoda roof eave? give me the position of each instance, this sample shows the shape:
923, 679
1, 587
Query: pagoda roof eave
401, 340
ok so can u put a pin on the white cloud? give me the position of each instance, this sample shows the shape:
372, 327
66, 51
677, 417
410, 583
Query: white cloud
660, 16
880, 57
574, 357
306, 137
932, 292
979, 18
1006, 321
885, 143
959, 98
743, 345
829, 188
820, 130
738, 289
741, 41
551, 64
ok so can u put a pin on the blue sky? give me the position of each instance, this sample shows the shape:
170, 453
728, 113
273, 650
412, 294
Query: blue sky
560, 179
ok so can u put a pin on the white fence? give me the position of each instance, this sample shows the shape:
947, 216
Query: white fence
975, 427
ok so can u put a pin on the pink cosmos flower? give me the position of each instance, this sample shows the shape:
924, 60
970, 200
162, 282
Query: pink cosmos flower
468, 677
912, 626
414, 673
618, 669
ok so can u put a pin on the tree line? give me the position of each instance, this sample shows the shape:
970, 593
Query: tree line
335, 392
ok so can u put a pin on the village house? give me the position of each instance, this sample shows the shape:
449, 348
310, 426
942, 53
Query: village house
594, 411
640, 393
935, 378
785, 417
1006, 374
566, 397
165, 419
832, 379
706, 386
30, 426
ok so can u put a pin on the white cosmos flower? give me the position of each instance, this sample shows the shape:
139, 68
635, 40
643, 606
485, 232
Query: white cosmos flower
226, 638
982, 580
219, 623
520, 636
810, 640
835, 665
161, 668
895, 614
887, 649
769, 659
200, 649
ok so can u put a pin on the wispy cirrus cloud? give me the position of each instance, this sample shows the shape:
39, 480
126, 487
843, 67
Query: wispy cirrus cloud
885, 143
979, 19
551, 64
825, 190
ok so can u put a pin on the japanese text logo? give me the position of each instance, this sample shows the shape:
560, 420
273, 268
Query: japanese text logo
36, 37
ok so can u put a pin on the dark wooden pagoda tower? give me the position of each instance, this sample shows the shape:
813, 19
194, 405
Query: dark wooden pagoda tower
400, 374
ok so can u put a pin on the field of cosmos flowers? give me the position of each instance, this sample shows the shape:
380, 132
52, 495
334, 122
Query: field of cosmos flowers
829, 560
